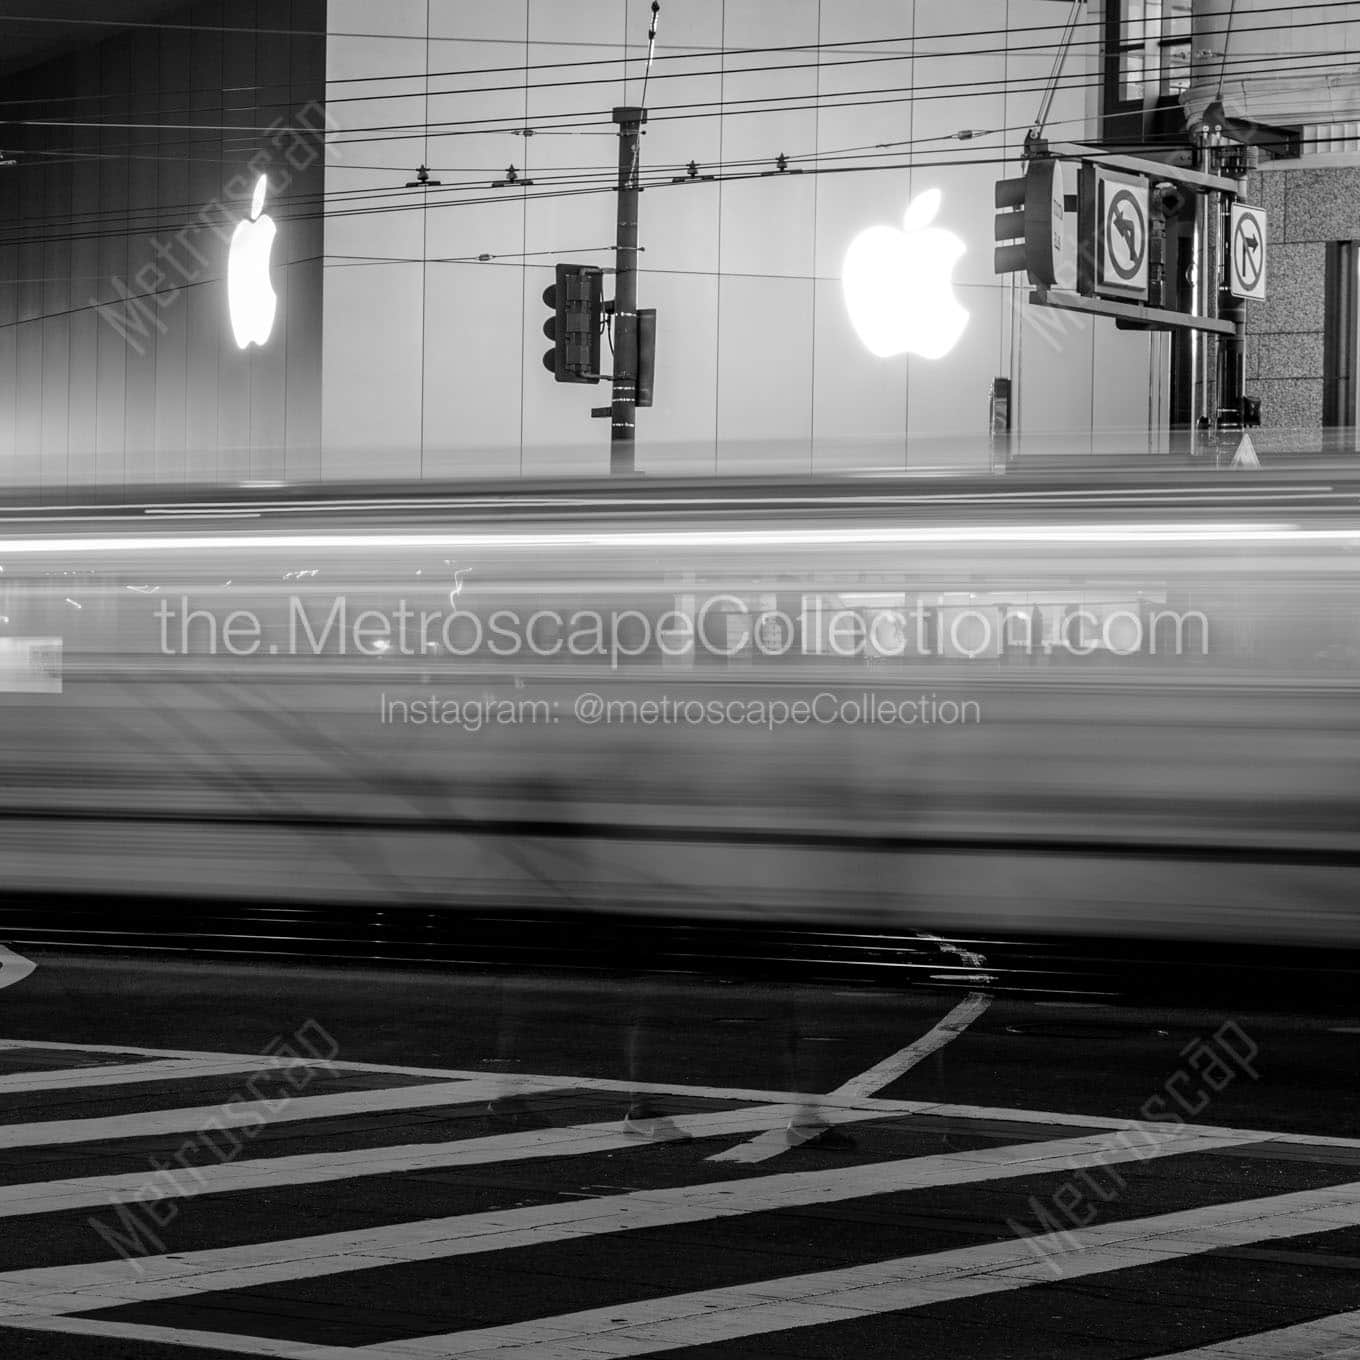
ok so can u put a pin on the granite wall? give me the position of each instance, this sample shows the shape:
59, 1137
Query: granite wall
1284, 352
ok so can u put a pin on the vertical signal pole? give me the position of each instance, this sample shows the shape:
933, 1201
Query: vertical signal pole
1209, 226
623, 411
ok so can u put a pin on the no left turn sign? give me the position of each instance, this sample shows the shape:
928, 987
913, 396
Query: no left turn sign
1122, 265
1247, 252
1125, 234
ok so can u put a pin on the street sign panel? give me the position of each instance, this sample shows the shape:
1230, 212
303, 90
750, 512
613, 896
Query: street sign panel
1247, 252
1121, 235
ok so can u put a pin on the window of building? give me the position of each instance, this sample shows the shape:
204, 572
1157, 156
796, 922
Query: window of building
1341, 338
1151, 49
1147, 67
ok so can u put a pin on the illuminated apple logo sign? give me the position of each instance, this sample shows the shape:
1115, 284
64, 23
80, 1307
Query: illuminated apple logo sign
249, 292
899, 287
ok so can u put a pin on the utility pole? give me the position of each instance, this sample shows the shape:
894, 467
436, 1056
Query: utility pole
1232, 397
1208, 285
623, 410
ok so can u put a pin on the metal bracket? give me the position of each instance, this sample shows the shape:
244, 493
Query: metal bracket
1074, 151
1158, 317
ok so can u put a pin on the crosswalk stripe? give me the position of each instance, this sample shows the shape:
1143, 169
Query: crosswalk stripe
530, 1082
843, 1295
276, 1348
847, 1295
772, 1142
246, 1114
49, 1291
71, 1079
538, 1080
46, 1197
1330, 1338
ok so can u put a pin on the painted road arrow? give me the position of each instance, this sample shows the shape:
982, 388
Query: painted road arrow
13, 967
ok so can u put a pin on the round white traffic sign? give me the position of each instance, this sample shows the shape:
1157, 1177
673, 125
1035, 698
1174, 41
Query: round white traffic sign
1247, 252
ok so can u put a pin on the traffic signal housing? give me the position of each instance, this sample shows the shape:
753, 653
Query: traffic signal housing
577, 302
1030, 222
646, 382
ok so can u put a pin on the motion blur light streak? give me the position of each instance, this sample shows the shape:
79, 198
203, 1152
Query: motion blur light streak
763, 538
1154, 680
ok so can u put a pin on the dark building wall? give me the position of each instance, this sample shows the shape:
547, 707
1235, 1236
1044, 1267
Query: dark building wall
1306, 209
117, 361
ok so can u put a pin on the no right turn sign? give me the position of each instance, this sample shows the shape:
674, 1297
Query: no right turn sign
1247, 252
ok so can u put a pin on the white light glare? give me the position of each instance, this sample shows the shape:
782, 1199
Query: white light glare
899, 286
250, 294
644, 540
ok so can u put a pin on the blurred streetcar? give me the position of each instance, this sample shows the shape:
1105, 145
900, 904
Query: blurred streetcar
1122, 709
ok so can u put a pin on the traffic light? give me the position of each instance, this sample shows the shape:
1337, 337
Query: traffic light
1171, 244
646, 355
1029, 222
577, 300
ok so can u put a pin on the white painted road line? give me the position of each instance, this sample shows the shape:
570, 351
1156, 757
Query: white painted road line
60, 1290
890, 1069
163, 1069
272, 1173
848, 1295
774, 1141
523, 1083
273, 1347
527, 1083
246, 1114
774, 1138
139, 1050
1329, 1338
13, 967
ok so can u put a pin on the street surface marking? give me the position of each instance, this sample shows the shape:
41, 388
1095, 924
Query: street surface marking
246, 1113
13, 967
577, 1140
60, 1290
885, 1073
848, 1295
218, 1341
845, 1295
529, 1083
73, 1078
774, 1141
1330, 1338
774, 1137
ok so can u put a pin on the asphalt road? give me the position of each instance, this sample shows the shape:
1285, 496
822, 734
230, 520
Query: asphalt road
203, 1159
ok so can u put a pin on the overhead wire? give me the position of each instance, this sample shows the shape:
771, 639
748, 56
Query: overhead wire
817, 63
467, 196
1335, 62
693, 52
516, 125
584, 177
559, 182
